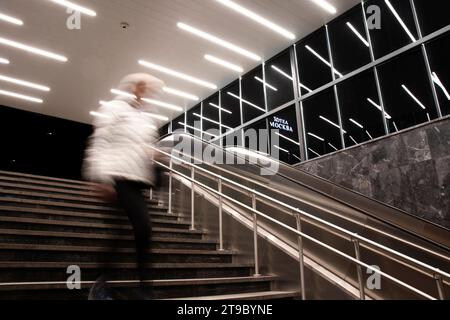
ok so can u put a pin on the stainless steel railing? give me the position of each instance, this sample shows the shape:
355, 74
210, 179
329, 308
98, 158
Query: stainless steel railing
437, 275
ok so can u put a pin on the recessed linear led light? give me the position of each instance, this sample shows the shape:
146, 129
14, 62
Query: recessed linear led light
297, 158
323, 60
395, 126
24, 83
317, 154
399, 19
379, 108
290, 78
266, 84
356, 123
281, 149
317, 137
286, 138
332, 123
428, 116
221, 109
181, 94
163, 104
123, 93
247, 102
219, 41
177, 74
370, 136
34, 50
257, 18
414, 97
333, 146
20, 96
359, 35
440, 84
353, 140
197, 129
4, 61
76, 7
210, 120
10, 19
326, 6
224, 63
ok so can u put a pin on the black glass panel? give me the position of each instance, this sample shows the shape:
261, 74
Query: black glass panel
231, 109
253, 102
439, 53
194, 123
433, 15
256, 137
285, 144
361, 113
406, 91
313, 61
178, 123
392, 27
233, 140
322, 130
279, 80
164, 130
211, 123
348, 31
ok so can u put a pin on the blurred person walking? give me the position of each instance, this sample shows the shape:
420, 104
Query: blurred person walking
119, 160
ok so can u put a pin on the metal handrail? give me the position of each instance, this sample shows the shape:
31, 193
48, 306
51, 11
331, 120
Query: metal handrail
416, 246
352, 235
303, 235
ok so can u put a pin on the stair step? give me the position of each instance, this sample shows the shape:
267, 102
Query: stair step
30, 271
6, 209
39, 182
267, 295
87, 239
81, 207
42, 253
162, 289
44, 178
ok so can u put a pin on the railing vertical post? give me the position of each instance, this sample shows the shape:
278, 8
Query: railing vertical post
362, 294
220, 215
151, 193
192, 198
255, 236
301, 257
440, 286
170, 187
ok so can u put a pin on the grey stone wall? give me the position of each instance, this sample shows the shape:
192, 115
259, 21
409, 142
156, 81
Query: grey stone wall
410, 170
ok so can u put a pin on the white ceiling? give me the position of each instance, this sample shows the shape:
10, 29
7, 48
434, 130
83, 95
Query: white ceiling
101, 52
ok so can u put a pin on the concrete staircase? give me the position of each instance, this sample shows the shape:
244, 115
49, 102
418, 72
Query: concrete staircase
48, 224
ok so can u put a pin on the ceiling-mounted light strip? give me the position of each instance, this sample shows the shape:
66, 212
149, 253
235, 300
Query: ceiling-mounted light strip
297, 157
290, 78
221, 109
315, 136
322, 59
34, 50
332, 123
24, 83
10, 19
163, 104
326, 6
317, 154
395, 126
288, 139
281, 149
379, 108
177, 74
210, 120
149, 114
440, 84
353, 140
266, 84
359, 35
333, 147
75, 7
246, 102
224, 63
219, 41
197, 129
257, 18
123, 93
413, 96
356, 123
182, 94
20, 96
370, 136
4, 61
399, 19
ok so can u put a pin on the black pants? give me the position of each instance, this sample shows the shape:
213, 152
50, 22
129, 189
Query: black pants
131, 200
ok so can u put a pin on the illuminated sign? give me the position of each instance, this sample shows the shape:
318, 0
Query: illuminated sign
281, 124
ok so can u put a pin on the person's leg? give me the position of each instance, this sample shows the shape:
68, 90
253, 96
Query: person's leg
131, 200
